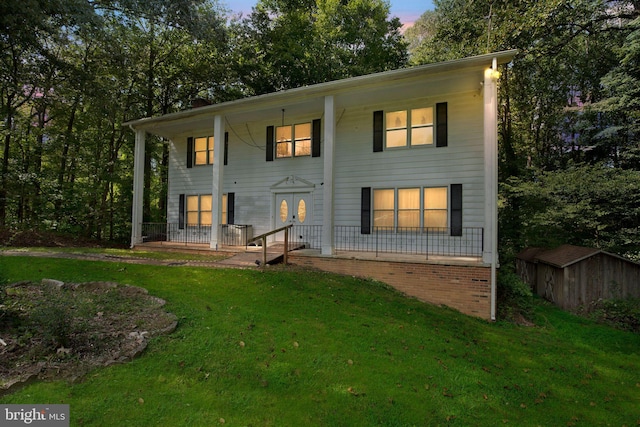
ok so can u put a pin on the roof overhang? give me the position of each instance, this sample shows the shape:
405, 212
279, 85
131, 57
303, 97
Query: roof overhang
308, 99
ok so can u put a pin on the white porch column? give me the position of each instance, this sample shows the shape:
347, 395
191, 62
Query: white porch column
217, 184
138, 188
490, 254
328, 246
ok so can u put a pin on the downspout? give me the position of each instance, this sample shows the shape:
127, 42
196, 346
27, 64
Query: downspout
494, 239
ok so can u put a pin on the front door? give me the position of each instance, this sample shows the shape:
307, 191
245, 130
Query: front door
293, 208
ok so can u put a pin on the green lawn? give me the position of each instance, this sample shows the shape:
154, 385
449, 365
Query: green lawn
291, 348
160, 255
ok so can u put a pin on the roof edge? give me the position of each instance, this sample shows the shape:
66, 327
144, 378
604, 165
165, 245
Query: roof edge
502, 57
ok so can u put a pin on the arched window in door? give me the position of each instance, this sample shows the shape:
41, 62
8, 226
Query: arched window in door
284, 211
302, 211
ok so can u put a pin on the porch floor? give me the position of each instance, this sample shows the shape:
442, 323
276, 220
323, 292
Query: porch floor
251, 256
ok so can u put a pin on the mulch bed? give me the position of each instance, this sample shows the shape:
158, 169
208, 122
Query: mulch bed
54, 330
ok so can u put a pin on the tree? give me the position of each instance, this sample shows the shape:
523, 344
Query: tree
29, 30
621, 104
295, 43
71, 78
592, 205
567, 104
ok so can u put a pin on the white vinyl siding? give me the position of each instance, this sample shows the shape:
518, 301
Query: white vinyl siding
462, 161
250, 178
355, 165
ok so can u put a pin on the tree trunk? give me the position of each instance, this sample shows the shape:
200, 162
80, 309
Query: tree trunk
5, 171
64, 158
146, 210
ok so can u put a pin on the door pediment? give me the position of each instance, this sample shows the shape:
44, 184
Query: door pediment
292, 184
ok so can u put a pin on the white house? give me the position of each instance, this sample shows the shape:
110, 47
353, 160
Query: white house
401, 162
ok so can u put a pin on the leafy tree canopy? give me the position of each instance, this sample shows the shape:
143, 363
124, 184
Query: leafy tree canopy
286, 44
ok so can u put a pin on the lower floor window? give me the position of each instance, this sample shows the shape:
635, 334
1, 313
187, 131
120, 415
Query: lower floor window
199, 210
417, 207
435, 207
225, 210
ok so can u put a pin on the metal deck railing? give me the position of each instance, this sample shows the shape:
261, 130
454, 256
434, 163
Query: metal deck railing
381, 240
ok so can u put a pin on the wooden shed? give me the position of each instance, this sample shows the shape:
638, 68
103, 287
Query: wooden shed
573, 276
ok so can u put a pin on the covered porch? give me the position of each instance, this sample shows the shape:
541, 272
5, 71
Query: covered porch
382, 242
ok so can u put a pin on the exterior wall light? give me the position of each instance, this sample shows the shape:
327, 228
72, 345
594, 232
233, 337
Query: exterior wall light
490, 73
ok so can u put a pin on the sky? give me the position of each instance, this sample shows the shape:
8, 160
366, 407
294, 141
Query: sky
407, 10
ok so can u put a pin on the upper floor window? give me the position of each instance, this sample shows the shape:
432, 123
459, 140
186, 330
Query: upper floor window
409, 127
417, 127
203, 150
293, 140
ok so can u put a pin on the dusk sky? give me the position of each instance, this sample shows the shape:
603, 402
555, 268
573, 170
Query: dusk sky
407, 10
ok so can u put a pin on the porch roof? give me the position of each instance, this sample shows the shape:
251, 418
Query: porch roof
309, 99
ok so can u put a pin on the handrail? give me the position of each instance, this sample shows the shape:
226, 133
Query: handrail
269, 233
264, 243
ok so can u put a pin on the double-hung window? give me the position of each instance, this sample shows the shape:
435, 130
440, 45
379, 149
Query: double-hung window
384, 208
225, 209
293, 140
416, 127
199, 210
435, 207
410, 208
203, 150
406, 128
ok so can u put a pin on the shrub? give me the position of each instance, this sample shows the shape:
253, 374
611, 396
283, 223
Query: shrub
515, 299
53, 316
620, 313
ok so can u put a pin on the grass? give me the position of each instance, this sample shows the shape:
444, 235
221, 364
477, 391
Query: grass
160, 255
288, 347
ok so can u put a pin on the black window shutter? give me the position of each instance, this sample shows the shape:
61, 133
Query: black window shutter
190, 152
315, 138
270, 143
231, 208
181, 212
378, 131
441, 125
456, 209
226, 147
365, 211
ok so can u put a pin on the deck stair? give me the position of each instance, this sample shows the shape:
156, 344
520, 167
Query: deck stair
253, 256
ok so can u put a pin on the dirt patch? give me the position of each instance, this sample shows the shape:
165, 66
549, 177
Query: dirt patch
54, 330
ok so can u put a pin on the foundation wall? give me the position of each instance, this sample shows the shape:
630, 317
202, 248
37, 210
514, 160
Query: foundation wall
462, 287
